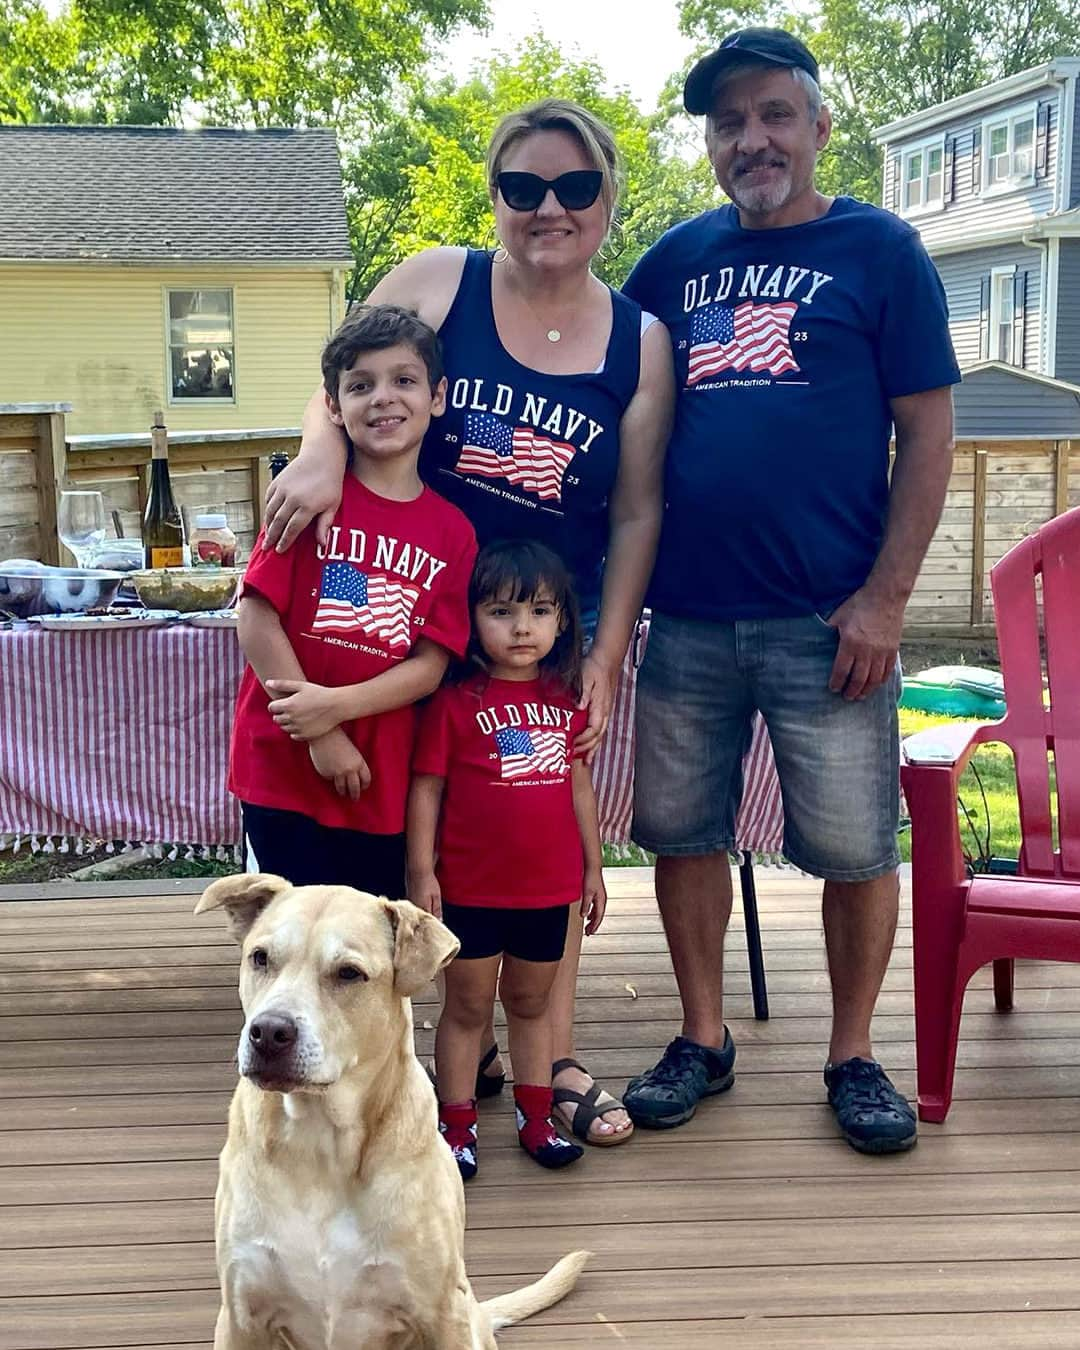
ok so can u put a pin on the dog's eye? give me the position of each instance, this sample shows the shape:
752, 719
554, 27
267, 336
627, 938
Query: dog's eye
259, 958
350, 973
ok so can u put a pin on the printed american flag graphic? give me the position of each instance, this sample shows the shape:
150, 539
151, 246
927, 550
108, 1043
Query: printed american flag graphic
748, 337
494, 449
350, 599
527, 752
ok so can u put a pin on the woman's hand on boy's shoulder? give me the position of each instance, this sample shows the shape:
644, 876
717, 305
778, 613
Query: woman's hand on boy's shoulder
337, 759
306, 711
424, 891
593, 899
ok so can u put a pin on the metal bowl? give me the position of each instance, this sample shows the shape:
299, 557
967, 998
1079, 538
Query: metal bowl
27, 589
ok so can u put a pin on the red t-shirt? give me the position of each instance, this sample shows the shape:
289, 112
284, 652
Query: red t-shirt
508, 836
393, 572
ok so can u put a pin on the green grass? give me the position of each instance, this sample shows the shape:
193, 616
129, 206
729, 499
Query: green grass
993, 765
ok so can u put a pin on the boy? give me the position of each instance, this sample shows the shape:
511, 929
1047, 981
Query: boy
341, 642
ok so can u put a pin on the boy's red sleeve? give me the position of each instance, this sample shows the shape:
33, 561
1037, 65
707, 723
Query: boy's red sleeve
270, 574
434, 737
447, 621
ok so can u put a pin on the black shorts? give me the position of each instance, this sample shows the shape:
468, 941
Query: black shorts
528, 934
309, 854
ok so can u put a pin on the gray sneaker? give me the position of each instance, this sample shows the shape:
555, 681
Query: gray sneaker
668, 1094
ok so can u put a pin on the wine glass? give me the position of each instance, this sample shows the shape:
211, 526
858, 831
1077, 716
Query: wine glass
80, 523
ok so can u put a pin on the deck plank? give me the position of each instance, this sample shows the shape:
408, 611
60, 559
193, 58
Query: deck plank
753, 1226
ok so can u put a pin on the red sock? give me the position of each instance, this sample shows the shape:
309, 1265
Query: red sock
536, 1131
457, 1125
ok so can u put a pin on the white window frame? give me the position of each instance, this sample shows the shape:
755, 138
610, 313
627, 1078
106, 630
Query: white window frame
999, 275
1009, 120
180, 402
925, 204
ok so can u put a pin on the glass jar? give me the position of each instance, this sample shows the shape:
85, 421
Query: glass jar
213, 544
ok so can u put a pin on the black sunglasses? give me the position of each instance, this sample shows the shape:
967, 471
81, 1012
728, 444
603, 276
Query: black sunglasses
575, 190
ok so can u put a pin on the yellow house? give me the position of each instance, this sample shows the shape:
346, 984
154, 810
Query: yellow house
152, 267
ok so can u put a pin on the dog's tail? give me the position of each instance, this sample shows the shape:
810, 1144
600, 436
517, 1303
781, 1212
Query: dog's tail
507, 1309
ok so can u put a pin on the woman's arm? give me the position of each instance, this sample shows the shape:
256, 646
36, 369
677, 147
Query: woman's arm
311, 485
593, 892
635, 513
307, 710
422, 821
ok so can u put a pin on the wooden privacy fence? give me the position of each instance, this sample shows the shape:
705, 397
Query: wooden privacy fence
1000, 491
210, 470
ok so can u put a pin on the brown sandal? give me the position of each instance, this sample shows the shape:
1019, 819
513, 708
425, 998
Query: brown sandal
590, 1106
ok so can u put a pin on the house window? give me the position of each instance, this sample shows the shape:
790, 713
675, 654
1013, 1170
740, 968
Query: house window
201, 345
1010, 150
924, 177
1001, 315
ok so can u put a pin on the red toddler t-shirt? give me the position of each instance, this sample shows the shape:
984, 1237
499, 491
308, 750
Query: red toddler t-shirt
392, 572
508, 836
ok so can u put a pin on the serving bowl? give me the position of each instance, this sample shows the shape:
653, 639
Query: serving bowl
28, 588
188, 589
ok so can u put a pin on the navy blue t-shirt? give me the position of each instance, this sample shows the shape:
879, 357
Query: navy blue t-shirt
524, 454
789, 344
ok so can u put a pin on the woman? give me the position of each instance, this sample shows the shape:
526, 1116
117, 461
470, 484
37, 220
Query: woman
559, 407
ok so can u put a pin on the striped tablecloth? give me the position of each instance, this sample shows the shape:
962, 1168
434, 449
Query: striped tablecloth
124, 736
759, 826
118, 735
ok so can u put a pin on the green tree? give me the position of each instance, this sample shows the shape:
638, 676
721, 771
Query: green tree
440, 194
230, 62
885, 59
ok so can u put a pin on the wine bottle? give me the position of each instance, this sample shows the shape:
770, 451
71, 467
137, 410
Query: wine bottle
163, 525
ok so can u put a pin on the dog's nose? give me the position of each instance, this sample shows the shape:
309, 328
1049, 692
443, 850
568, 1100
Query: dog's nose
272, 1035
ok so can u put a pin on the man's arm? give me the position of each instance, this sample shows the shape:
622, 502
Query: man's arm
871, 621
307, 711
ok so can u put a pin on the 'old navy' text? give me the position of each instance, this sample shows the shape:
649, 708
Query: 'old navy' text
403, 560
535, 715
763, 282
531, 410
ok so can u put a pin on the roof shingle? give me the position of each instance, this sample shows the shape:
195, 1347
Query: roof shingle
161, 193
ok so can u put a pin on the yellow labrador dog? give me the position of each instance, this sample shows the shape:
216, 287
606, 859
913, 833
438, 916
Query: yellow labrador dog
340, 1214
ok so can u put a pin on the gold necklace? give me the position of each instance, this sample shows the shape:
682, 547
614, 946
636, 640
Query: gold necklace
552, 334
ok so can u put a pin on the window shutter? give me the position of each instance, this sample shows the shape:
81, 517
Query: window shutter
1019, 317
894, 183
984, 318
948, 184
976, 159
1042, 141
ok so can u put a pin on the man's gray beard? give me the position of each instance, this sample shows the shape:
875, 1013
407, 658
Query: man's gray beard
762, 201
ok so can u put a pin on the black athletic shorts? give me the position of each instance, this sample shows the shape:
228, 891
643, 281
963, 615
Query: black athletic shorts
309, 854
528, 934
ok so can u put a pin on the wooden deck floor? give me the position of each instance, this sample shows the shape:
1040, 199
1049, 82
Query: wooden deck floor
752, 1227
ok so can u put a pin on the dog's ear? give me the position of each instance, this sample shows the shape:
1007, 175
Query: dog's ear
422, 946
244, 898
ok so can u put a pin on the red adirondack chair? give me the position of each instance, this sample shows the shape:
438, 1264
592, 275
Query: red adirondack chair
962, 922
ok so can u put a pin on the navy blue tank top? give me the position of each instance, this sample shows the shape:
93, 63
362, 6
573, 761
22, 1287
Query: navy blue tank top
524, 454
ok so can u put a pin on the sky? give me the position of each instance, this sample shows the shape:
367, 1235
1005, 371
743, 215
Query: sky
633, 55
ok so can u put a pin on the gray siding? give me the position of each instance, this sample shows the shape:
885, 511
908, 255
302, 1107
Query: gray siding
962, 274
995, 403
975, 213
1068, 312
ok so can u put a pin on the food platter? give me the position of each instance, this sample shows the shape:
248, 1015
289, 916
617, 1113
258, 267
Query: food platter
212, 618
85, 623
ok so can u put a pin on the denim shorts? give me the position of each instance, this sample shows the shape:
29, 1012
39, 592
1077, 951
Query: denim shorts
838, 761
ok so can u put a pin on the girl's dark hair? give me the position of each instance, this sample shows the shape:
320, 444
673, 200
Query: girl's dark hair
519, 569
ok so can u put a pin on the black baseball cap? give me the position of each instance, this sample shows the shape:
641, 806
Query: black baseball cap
772, 45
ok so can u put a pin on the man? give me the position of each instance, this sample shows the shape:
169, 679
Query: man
805, 329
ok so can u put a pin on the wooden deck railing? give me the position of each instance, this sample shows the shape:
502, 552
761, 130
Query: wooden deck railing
1000, 490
